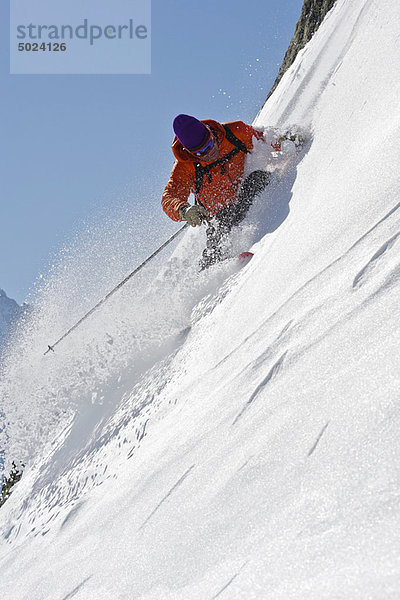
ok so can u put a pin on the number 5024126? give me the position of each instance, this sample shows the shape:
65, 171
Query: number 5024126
43, 47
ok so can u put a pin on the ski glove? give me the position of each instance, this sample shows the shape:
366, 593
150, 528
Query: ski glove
194, 215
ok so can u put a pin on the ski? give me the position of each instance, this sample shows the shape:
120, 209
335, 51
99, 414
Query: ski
244, 258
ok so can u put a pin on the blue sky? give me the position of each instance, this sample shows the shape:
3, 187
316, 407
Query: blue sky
71, 145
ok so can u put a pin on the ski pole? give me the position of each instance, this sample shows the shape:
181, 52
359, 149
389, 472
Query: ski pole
91, 311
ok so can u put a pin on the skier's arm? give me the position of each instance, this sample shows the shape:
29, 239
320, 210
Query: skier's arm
273, 143
259, 135
270, 137
248, 133
178, 188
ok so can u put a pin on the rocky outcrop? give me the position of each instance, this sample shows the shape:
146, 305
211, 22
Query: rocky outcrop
312, 15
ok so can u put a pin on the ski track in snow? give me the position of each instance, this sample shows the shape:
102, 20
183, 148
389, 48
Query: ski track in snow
241, 434
367, 272
232, 579
76, 589
273, 372
314, 446
168, 494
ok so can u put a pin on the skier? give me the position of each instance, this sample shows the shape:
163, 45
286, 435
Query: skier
210, 160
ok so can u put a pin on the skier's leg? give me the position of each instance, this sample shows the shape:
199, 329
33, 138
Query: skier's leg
213, 251
231, 216
251, 187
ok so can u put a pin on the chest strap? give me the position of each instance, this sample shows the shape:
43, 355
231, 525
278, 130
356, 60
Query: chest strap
239, 146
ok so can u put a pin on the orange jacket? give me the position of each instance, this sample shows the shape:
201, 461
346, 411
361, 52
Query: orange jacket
222, 189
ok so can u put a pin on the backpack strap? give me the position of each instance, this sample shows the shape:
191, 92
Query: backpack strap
231, 137
200, 171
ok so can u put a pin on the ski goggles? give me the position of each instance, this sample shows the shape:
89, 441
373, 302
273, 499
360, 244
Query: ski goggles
207, 148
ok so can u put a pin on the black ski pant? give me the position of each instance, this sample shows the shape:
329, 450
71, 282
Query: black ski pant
231, 216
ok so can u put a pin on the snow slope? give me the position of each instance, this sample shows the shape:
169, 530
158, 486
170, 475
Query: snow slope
255, 452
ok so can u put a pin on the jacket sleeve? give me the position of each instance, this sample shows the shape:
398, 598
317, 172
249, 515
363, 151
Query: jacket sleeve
245, 132
178, 188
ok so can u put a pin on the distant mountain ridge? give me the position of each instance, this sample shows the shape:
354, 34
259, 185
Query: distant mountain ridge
10, 312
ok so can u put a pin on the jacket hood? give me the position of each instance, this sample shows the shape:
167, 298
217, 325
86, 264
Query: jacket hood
181, 153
